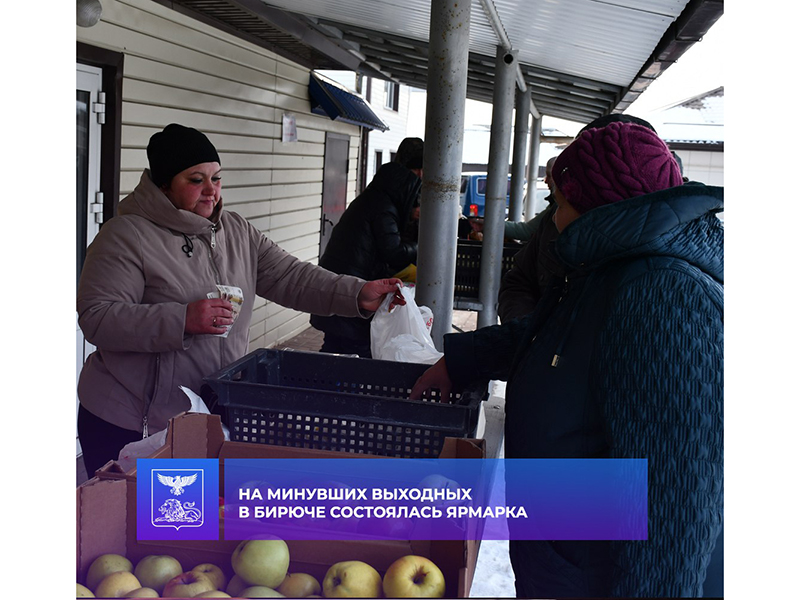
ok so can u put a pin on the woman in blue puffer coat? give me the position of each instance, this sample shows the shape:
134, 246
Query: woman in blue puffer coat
623, 358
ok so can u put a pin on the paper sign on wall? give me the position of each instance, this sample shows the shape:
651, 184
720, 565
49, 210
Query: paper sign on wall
289, 128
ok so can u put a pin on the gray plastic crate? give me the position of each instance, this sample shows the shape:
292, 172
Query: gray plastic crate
342, 403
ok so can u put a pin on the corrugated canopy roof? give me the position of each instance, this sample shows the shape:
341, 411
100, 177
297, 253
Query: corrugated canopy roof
581, 58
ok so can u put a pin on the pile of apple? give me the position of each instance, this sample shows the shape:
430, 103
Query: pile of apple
261, 570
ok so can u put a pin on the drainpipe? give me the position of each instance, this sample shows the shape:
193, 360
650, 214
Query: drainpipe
491, 14
533, 167
364, 152
363, 156
523, 103
444, 134
496, 186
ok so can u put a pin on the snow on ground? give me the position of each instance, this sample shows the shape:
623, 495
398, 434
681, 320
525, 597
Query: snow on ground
493, 575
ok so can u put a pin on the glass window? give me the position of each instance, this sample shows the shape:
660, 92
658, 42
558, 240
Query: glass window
482, 187
392, 96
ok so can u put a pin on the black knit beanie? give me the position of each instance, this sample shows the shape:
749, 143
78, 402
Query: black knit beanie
176, 149
409, 153
616, 118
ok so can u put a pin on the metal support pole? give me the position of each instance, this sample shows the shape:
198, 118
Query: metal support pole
444, 135
533, 168
496, 186
523, 104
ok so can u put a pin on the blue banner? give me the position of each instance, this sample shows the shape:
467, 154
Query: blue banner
436, 499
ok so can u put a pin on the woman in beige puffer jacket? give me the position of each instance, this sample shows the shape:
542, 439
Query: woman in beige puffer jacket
143, 294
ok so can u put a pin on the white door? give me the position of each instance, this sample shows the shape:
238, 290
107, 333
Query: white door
89, 206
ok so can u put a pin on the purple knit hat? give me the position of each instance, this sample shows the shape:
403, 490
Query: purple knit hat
613, 163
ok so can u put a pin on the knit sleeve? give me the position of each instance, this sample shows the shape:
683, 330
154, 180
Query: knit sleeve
659, 382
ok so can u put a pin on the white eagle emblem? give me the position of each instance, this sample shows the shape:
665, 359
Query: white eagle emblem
177, 483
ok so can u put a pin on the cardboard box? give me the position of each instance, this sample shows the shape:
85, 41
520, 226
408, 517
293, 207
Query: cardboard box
106, 519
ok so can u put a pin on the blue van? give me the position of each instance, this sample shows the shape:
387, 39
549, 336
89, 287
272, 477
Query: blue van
473, 194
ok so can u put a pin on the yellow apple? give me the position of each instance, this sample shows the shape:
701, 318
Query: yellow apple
413, 577
352, 579
213, 594
142, 592
83, 592
236, 585
104, 565
117, 585
214, 573
261, 562
187, 585
260, 591
155, 570
299, 585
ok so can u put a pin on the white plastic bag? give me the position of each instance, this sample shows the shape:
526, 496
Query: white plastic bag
146, 446
141, 449
427, 317
402, 335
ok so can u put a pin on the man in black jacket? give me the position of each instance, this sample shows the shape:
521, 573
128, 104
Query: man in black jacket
367, 241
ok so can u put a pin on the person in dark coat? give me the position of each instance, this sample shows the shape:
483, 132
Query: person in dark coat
534, 266
368, 239
621, 358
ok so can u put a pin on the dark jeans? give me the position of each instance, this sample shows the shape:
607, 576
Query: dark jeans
340, 345
100, 440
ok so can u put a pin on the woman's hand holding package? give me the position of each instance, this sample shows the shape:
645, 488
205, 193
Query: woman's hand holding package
436, 377
208, 316
371, 295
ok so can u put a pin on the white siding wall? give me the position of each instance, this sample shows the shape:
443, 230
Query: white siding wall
389, 140
703, 166
180, 70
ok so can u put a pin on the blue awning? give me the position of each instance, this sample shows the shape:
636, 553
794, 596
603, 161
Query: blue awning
332, 100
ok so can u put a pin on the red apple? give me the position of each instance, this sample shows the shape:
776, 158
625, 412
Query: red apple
299, 585
214, 573
187, 585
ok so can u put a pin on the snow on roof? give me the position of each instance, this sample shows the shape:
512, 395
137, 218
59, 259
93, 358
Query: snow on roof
699, 119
